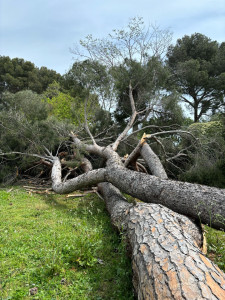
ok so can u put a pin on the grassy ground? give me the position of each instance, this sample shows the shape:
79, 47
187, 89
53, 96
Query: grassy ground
59, 249
216, 246
63, 248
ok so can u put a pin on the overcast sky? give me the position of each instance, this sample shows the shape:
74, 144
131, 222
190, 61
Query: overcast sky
43, 31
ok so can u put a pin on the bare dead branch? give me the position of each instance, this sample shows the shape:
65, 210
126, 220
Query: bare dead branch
161, 145
178, 155
48, 158
180, 132
130, 123
141, 167
147, 127
92, 178
86, 123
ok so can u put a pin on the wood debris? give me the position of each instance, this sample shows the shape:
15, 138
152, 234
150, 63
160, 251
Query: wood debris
81, 195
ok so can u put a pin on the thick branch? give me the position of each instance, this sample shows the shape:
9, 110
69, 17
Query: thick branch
197, 201
87, 179
86, 165
107, 153
149, 156
86, 147
153, 161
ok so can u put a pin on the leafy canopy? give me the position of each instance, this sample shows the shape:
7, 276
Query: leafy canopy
17, 74
195, 62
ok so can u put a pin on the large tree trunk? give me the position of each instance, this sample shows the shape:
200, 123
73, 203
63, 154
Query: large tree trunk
166, 260
164, 245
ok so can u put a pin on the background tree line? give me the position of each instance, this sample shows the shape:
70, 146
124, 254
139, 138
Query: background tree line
39, 106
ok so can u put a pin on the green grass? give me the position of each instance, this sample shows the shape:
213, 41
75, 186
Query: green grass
216, 246
64, 247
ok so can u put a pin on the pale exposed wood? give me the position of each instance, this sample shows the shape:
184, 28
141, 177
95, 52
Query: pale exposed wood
152, 161
80, 195
37, 187
75, 195
39, 192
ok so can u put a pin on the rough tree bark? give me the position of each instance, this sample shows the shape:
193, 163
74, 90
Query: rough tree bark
166, 260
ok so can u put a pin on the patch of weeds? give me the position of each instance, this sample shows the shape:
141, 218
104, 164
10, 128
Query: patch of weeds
60, 248
216, 246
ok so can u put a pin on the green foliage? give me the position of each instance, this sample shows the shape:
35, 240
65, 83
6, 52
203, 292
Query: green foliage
26, 127
170, 112
88, 82
53, 90
65, 248
208, 129
65, 107
25, 123
72, 83
17, 74
61, 106
207, 164
205, 172
26, 103
195, 64
46, 77
197, 46
103, 121
216, 246
30, 122
147, 80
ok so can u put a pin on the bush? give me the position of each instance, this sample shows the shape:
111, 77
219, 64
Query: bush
207, 165
26, 127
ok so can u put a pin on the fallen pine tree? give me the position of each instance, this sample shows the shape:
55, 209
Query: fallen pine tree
163, 232
165, 245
